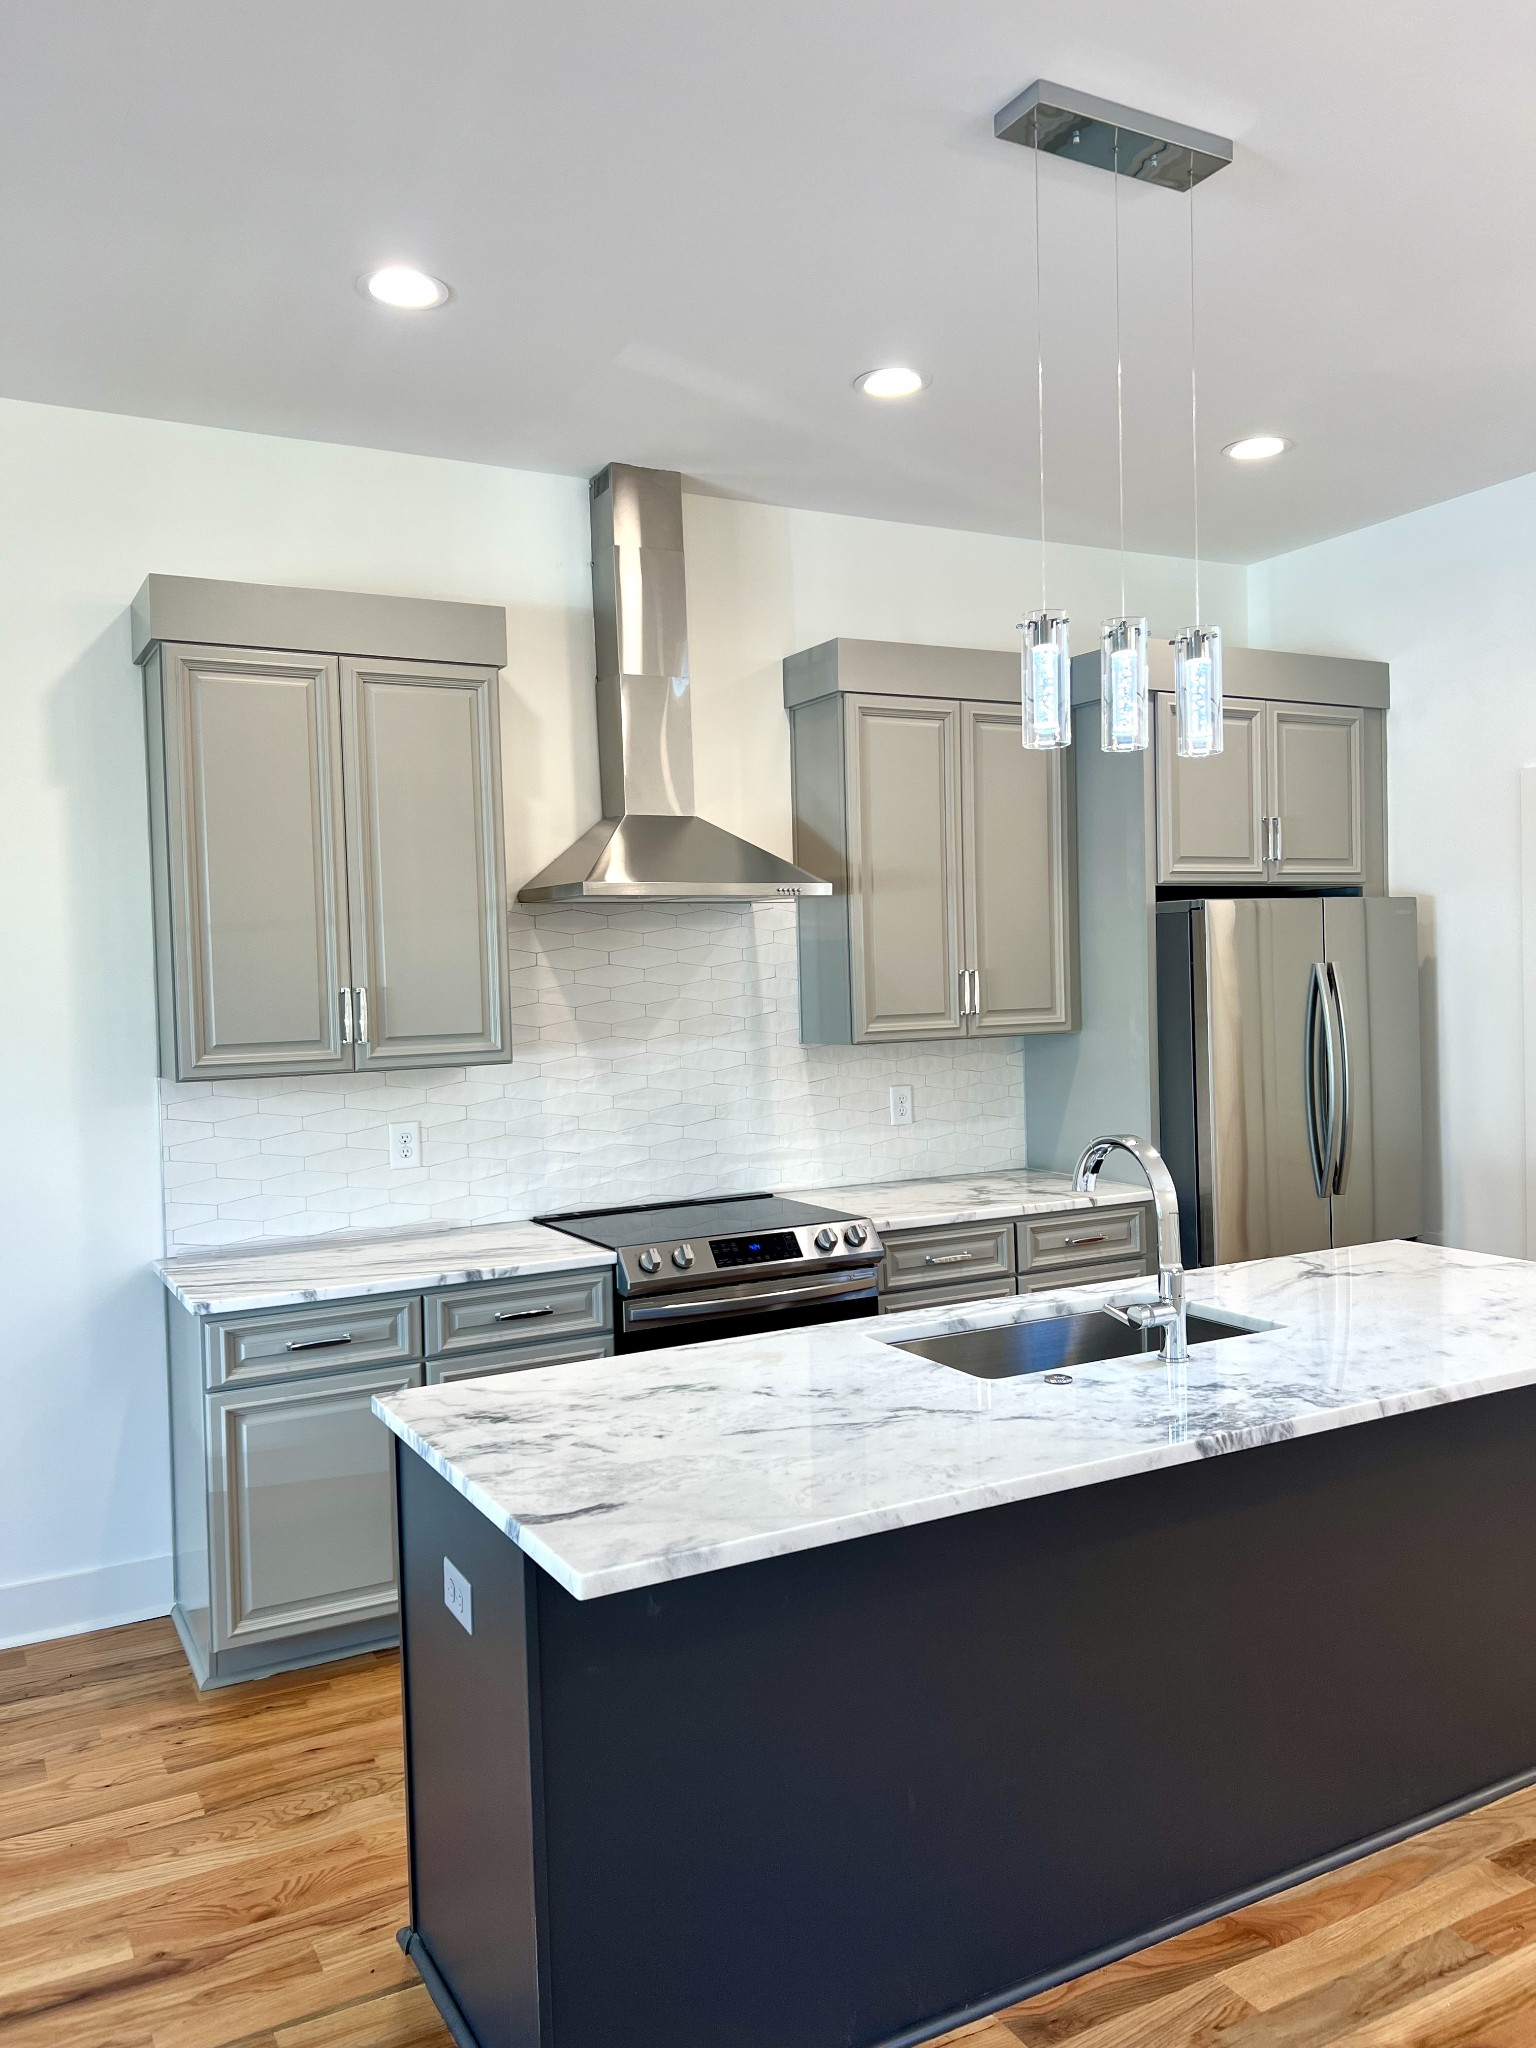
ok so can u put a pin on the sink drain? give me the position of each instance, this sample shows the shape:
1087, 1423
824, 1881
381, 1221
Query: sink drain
1058, 1379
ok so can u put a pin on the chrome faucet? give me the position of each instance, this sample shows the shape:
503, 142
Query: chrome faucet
1167, 1312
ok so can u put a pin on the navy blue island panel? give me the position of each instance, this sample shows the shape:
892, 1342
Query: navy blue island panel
853, 1796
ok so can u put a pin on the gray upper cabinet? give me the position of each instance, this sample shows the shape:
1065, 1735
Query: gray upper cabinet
326, 837
1296, 798
425, 865
904, 833
949, 848
1020, 915
245, 757
1211, 814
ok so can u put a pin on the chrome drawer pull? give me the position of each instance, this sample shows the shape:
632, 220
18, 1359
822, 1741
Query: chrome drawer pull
946, 1258
516, 1315
319, 1343
1102, 1238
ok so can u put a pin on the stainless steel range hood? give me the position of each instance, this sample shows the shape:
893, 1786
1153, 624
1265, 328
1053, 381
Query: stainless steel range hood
650, 842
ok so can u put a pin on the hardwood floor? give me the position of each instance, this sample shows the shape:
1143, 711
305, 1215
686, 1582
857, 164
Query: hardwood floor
200, 1871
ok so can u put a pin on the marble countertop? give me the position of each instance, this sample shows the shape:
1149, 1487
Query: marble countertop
968, 1198
357, 1262
631, 1471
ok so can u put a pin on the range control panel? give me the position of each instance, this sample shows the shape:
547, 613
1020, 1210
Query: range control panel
686, 1262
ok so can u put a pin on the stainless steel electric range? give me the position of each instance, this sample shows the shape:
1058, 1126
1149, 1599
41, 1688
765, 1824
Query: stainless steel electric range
730, 1265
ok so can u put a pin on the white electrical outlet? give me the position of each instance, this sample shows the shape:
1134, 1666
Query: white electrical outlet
901, 1105
458, 1596
405, 1144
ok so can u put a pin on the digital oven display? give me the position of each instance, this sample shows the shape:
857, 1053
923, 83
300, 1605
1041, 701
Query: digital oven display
755, 1251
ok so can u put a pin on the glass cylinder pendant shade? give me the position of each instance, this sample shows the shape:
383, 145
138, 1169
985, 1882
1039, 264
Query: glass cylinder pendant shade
1123, 686
1197, 691
1046, 676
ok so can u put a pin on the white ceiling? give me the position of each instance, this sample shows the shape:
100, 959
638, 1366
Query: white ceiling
676, 229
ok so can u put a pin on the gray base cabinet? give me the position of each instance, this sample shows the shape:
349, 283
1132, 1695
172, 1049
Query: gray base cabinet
282, 1474
944, 1264
949, 848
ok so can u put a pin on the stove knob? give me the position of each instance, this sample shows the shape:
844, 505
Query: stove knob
826, 1239
649, 1260
682, 1257
855, 1235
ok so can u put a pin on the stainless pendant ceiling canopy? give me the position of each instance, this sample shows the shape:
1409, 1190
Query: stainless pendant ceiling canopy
1064, 122
650, 841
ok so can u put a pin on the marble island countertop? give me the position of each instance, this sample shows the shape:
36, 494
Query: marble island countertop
353, 1263
632, 1471
972, 1198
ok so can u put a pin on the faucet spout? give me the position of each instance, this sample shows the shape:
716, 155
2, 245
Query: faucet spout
1168, 1311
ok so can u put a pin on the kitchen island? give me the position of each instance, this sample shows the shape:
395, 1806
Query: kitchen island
806, 1692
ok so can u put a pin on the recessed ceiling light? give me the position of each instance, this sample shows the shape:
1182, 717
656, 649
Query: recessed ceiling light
1256, 448
411, 290
893, 382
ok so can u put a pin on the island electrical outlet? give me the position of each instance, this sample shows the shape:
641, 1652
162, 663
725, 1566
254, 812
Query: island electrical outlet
405, 1144
901, 1105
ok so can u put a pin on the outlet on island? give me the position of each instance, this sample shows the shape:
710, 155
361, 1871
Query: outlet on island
405, 1144
901, 1105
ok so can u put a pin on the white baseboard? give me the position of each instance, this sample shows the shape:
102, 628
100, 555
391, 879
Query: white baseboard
76, 1602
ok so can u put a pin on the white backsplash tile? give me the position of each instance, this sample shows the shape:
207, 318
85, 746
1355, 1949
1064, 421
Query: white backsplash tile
656, 1054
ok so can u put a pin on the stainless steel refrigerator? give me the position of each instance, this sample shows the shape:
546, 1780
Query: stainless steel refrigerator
1289, 1076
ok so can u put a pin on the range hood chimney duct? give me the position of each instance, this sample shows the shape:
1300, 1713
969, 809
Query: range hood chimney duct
650, 842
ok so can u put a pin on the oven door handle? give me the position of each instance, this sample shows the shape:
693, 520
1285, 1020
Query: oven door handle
848, 1287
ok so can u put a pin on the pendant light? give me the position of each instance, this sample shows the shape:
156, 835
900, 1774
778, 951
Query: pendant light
1124, 724
1197, 650
1046, 659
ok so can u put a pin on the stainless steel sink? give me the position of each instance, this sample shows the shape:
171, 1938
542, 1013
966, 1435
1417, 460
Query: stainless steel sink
1057, 1343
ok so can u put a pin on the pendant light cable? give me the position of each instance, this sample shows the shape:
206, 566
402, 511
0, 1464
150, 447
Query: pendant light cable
1194, 398
1119, 377
1039, 361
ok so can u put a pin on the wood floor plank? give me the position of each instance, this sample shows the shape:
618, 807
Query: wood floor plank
227, 1870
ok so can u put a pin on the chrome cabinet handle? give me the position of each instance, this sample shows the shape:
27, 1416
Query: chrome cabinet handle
318, 1343
1279, 840
975, 991
346, 1015
1102, 1238
517, 1315
965, 992
1340, 1158
362, 1016
946, 1258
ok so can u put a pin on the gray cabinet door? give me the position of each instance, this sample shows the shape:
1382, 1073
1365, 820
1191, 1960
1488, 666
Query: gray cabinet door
301, 1507
1210, 814
905, 893
1018, 880
1316, 791
254, 862
426, 867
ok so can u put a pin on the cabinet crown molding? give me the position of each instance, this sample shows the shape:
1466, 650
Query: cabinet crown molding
209, 613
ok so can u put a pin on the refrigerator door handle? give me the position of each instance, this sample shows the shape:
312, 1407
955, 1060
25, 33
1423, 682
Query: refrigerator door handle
1319, 1141
1339, 1150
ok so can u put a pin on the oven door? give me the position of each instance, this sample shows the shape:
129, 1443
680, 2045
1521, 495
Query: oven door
702, 1314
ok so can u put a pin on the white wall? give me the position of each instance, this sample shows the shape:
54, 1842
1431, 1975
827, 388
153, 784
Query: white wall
89, 504
1444, 595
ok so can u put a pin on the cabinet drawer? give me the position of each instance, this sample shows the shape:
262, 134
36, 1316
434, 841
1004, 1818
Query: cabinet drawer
940, 1297
301, 1506
1042, 1281
1083, 1237
929, 1258
316, 1338
482, 1363
463, 1319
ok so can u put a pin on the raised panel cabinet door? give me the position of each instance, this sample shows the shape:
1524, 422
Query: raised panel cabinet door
426, 863
1018, 882
256, 862
905, 867
1210, 813
302, 1506
1316, 791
